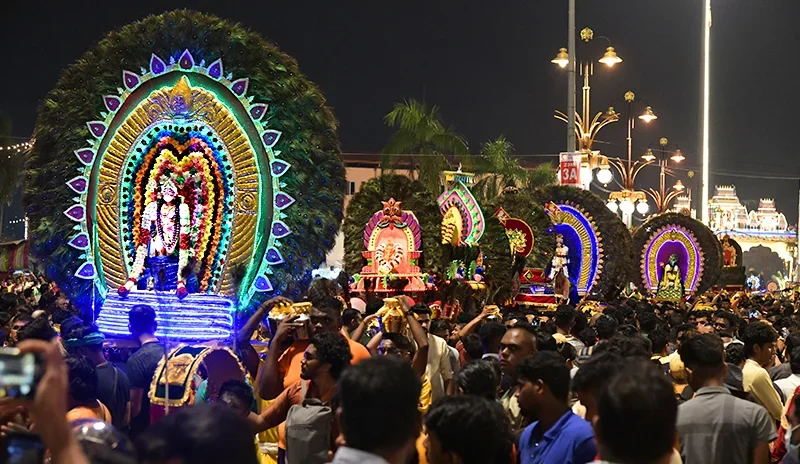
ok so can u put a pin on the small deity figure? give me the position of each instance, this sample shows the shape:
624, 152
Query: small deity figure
163, 242
388, 255
559, 272
480, 271
728, 252
671, 285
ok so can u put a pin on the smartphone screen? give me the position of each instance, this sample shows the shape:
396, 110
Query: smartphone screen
19, 373
24, 448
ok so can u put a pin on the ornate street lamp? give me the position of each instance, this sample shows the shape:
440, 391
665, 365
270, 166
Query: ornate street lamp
586, 127
662, 197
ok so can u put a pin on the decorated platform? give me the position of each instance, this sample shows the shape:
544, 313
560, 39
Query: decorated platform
196, 317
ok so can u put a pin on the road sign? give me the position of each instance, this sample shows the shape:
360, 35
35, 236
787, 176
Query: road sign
569, 168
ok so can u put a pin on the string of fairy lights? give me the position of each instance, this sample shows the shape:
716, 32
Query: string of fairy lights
18, 147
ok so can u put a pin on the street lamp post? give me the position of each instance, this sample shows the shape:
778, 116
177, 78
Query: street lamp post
662, 197
586, 129
628, 198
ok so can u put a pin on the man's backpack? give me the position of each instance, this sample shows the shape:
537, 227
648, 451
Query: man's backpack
308, 431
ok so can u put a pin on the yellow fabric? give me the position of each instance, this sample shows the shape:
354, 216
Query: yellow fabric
756, 381
270, 436
421, 452
425, 396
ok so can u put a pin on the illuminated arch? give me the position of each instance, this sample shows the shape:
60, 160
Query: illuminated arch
672, 239
572, 221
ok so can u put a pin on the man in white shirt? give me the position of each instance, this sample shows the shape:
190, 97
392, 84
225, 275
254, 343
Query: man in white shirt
439, 370
789, 384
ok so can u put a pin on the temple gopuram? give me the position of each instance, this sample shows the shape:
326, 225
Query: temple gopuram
759, 232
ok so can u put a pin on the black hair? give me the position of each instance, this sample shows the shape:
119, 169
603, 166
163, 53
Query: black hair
473, 346
383, 387
581, 321
734, 353
208, 433
400, 341
491, 333
627, 347
322, 288
615, 313
792, 341
545, 341
679, 333
475, 429
421, 308
606, 326
565, 315
479, 377
627, 330
512, 315
587, 336
333, 349
732, 319
236, 389
704, 353
349, 315
82, 379
142, 319
37, 329
637, 414
659, 339
757, 333
374, 304
330, 306
596, 372
648, 321
567, 351
438, 325
78, 331
794, 362
550, 368
464, 318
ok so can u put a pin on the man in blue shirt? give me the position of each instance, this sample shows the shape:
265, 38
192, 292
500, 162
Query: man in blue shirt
557, 435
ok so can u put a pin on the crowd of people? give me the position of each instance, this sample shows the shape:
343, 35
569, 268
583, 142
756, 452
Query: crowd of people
712, 380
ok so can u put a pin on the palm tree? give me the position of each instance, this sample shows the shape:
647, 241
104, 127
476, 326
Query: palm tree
423, 140
497, 169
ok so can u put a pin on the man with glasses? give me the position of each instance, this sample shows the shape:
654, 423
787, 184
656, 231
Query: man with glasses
726, 325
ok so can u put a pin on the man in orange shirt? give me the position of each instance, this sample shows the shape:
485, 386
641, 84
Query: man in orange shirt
281, 368
326, 356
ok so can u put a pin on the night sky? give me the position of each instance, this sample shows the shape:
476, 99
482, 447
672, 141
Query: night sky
487, 65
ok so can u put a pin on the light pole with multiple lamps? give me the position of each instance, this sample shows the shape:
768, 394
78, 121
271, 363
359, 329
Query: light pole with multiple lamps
662, 197
629, 199
586, 127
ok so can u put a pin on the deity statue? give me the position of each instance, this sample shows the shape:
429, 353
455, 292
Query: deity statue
559, 272
728, 252
163, 242
671, 285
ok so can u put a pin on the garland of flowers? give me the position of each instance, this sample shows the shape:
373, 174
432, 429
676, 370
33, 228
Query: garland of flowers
217, 228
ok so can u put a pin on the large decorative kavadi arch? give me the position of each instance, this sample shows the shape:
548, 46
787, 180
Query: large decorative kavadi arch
677, 255
194, 179
599, 245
